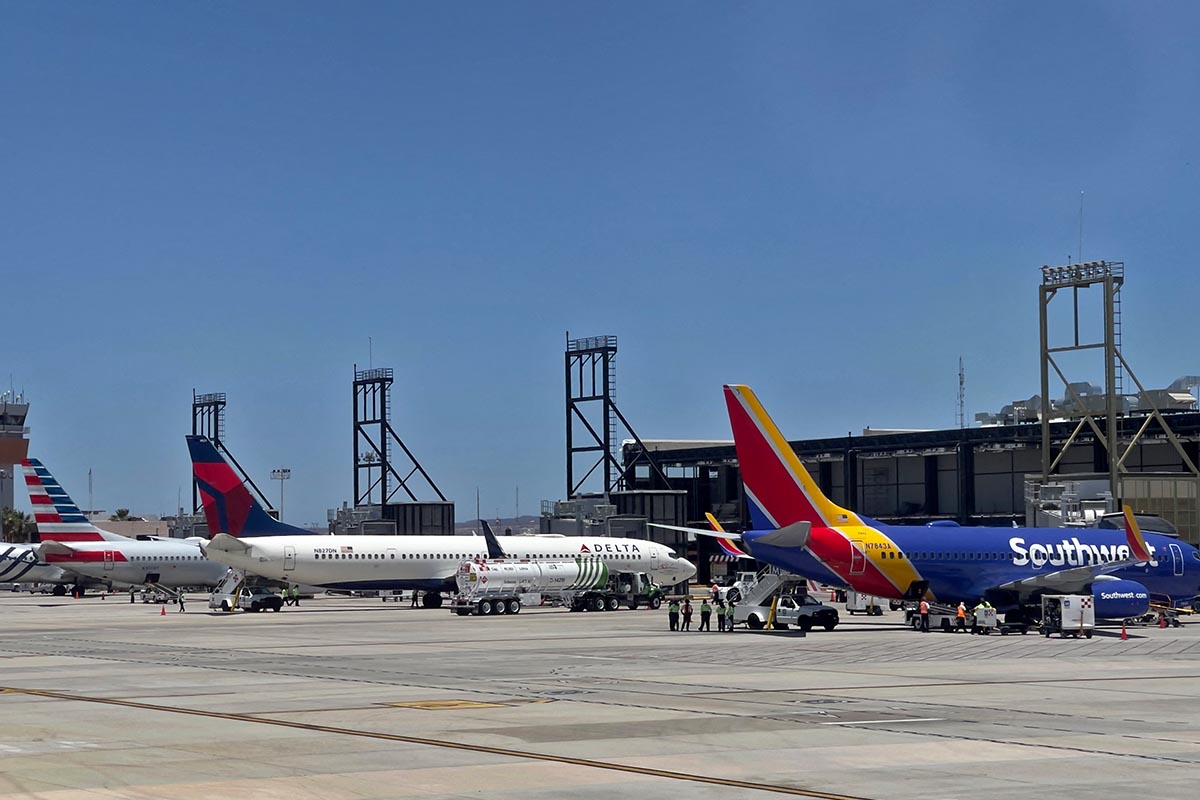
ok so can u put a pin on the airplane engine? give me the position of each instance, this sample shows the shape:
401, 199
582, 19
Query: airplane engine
1120, 599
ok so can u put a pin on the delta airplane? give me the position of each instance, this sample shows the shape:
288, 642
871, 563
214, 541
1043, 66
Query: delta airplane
246, 538
71, 542
797, 528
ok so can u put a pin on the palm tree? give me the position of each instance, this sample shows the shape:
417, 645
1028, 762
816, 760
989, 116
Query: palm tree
122, 515
18, 526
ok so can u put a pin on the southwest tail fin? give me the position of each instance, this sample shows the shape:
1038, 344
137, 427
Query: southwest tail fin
228, 505
778, 487
728, 545
1133, 535
58, 518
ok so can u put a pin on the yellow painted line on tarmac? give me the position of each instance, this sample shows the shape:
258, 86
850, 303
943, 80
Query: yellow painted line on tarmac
448, 745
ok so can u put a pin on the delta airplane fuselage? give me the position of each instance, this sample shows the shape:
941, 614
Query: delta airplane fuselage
424, 562
960, 563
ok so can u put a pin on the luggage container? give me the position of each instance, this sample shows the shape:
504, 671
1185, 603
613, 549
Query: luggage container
1068, 615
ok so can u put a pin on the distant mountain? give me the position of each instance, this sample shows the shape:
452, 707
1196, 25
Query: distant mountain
499, 526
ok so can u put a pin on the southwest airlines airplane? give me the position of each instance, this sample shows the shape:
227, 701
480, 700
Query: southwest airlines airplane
71, 542
798, 529
246, 538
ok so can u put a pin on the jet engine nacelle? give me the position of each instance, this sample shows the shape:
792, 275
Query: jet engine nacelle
1120, 599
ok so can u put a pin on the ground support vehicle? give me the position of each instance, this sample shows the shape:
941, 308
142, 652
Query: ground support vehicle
941, 618
803, 611
863, 604
502, 586
1068, 615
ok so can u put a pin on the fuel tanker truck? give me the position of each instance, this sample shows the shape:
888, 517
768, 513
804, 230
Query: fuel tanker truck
502, 585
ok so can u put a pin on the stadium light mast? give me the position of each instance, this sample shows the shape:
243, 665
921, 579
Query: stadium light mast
281, 474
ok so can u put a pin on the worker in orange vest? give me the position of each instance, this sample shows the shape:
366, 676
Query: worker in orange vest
962, 617
924, 616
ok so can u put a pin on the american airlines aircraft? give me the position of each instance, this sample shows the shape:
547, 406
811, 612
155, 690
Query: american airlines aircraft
246, 538
20, 563
71, 542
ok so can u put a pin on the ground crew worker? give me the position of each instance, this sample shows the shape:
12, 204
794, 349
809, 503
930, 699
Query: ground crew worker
416, 596
687, 615
179, 597
729, 616
295, 590
705, 616
924, 608
673, 614
716, 592
720, 616
962, 617
131, 591
977, 625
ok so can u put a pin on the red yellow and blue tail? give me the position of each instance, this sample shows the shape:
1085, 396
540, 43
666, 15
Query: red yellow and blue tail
729, 546
780, 490
58, 518
228, 505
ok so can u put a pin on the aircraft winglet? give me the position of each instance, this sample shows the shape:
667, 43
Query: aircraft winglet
727, 544
1137, 543
223, 541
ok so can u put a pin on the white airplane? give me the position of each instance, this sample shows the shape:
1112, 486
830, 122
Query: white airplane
71, 542
246, 538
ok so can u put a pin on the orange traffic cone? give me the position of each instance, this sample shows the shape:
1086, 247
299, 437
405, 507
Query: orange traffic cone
163, 613
1124, 636
76, 595
1162, 620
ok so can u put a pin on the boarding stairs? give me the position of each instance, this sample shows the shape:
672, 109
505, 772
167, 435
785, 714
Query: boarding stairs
769, 583
232, 583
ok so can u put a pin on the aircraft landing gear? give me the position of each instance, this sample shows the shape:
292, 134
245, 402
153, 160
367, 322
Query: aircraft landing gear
431, 600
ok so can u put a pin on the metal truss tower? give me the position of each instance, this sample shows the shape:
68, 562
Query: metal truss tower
591, 380
1110, 277
208, 419
376, 477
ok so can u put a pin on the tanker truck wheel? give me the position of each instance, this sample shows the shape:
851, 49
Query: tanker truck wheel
514, 606
501, 606
655, 602
598, 604
613, 603
485, 608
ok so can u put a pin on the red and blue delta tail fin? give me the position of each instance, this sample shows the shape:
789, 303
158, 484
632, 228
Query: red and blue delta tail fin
58, 518
228, 505
779, 488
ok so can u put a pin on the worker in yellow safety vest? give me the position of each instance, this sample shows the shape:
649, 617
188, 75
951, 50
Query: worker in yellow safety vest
924, 609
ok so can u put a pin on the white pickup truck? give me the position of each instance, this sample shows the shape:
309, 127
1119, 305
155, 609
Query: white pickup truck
803, 611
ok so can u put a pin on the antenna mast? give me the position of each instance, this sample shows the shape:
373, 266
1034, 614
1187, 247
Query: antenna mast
962, 395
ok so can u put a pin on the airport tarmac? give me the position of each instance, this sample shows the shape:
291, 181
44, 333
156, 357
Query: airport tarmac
354, 698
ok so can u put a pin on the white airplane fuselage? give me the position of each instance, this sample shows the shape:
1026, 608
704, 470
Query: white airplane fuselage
427, 562
166, 562
20, 563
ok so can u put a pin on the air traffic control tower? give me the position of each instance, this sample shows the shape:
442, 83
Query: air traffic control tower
14, 446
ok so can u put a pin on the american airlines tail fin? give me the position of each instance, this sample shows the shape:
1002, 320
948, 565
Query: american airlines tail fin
778, 487
58, 518
228, 505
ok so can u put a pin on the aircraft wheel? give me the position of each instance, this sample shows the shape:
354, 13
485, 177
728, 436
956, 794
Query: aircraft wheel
462, 612
59, 590
514, 606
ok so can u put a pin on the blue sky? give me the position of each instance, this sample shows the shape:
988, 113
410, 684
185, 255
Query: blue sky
831, 202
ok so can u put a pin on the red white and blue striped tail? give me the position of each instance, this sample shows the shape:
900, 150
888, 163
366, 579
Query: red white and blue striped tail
58, 518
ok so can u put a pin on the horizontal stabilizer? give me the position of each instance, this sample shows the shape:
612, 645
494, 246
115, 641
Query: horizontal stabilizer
53, 548
230, 544
794, 535
698, 531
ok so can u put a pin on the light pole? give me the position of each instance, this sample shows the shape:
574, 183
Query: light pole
281, 475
